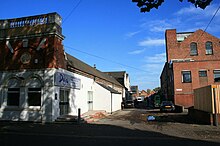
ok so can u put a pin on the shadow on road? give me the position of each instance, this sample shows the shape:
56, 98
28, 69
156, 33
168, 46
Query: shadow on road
85, 134
174, 117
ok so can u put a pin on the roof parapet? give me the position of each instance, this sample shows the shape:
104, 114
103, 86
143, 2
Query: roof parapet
31, 21
31, 25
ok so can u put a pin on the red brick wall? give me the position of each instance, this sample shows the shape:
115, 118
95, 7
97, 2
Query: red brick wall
186, 100
181, 50
183, 92
51, 54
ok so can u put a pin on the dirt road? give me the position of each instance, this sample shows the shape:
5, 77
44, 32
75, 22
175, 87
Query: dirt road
171, 124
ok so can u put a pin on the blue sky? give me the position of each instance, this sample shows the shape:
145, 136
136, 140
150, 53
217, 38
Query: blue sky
115, 36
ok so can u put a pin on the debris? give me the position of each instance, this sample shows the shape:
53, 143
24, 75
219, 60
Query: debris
151, 118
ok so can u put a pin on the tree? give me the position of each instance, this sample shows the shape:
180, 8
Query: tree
148, 91
157, 89
147, 5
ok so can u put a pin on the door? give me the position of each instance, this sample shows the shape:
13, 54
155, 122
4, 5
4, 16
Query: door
90, 100
64, 101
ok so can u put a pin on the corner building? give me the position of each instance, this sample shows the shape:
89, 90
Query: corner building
40, 82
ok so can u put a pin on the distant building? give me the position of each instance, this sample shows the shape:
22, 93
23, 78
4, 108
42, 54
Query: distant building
143, 93
134, 92
40, 82
123, 78
192, 62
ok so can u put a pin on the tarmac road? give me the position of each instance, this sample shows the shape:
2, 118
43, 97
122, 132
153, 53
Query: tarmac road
127, 127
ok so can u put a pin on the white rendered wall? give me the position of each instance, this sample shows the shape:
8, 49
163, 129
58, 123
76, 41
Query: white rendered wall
23, 112
116, 100
102, 99
78, 98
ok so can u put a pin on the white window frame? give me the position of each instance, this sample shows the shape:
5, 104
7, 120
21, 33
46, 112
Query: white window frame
8, 92
209, 51
34, 106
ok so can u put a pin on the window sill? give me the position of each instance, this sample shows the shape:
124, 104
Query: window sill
186, 82
34, 108
15, 108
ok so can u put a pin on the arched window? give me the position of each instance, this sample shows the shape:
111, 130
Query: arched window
193, 49
13, 93
209, 48
34, 91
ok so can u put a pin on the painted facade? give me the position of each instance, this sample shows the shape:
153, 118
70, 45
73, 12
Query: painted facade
40, 82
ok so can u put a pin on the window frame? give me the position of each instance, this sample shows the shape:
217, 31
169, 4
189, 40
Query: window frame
183, 73
17, 91
203, 75
214, 75
207, 49
64, 99
193, 49
32, 90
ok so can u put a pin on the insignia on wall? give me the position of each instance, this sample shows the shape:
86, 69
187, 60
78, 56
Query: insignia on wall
25, 58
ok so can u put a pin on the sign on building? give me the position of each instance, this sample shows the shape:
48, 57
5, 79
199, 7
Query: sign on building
65, 80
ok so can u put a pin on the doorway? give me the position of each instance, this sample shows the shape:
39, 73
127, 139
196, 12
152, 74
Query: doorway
64, 101
90, 100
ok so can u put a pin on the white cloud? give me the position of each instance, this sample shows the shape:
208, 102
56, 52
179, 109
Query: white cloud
154, 64
152, 42
189, 10
137, 52
156, 25
157, 58
131, 34
193, 11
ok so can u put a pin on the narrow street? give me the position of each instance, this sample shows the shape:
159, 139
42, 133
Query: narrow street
126, 127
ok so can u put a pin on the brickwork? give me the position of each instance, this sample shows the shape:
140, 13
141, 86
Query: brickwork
179, 59
33, 42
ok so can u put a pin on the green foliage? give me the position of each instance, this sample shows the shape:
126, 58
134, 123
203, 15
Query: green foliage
157, 89
147, 5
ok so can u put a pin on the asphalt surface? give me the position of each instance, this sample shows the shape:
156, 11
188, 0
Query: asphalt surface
127, 127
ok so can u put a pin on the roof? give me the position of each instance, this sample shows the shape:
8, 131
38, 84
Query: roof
109, 89
116, 74
78, 64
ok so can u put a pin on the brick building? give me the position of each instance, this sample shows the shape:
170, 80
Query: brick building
40, 82
123, 78
192, 62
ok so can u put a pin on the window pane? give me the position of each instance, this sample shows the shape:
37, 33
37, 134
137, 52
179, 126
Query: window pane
34, 96
216, 75
203, 73
193, 49
13, 96
186, 76
62, 96
209, 49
